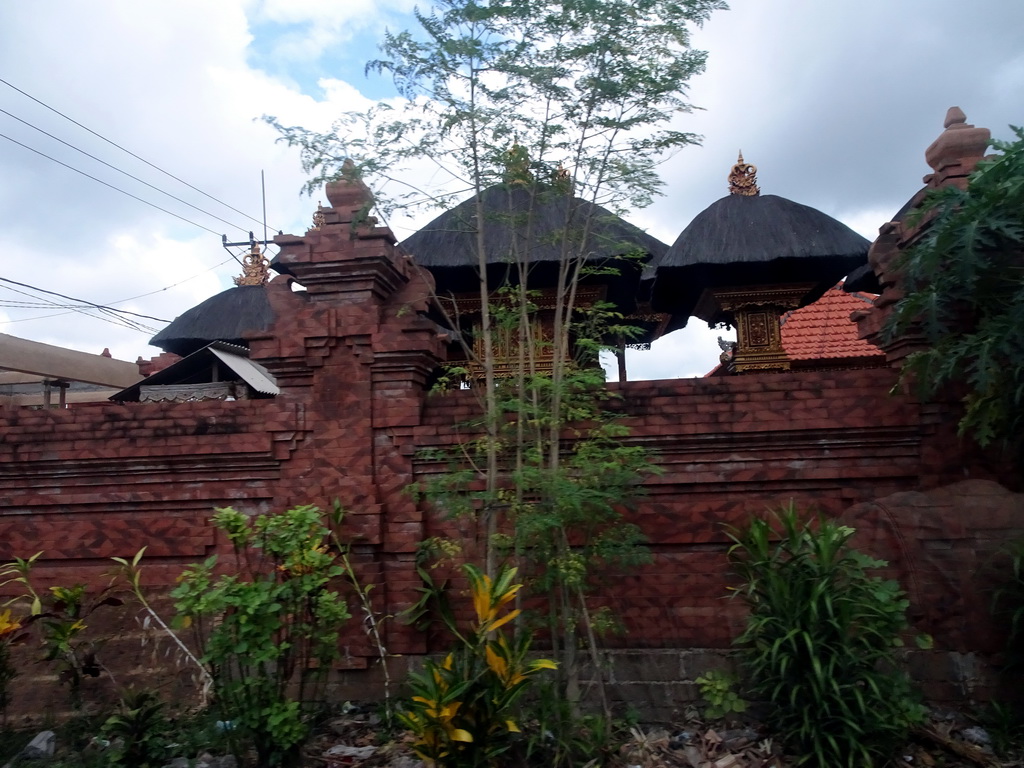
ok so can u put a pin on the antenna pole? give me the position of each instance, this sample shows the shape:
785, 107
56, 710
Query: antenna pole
263, 186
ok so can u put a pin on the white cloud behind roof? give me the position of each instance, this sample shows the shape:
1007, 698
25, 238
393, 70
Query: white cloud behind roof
834, 102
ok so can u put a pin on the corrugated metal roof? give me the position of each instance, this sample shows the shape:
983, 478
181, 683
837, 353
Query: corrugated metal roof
253, 374
233, 356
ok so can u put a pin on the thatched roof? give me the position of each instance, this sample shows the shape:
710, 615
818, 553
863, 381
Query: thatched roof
447, 246
224, 317
755, 240
743, 230
450, 240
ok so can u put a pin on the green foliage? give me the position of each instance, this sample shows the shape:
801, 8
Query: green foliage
561, 737
130, 573
1008, 604
565, 519
592, 85
1004, 723
820, 641
567, 101
60, 614
462, 711
10, 633
719, 691
269, 630
430, 554
965, 294
137, 732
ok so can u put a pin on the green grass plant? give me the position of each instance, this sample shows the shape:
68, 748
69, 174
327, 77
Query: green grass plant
821, 641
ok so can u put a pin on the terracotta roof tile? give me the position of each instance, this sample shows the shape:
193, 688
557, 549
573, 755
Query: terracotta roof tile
823, 330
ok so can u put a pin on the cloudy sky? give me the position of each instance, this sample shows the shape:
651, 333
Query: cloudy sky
834, 102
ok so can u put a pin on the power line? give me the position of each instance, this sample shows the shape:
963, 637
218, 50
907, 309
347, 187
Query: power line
83, 301
130, 298
113, 318
107, 184
128, 151
119, 170
175, 285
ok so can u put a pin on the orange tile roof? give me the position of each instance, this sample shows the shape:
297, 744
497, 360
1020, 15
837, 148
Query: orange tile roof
823, 331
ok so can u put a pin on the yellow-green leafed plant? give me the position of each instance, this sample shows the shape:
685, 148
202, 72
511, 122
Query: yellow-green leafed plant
462, 710
59, 614
8, 634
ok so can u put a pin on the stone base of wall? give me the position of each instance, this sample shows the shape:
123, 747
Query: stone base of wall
656, 685
659, 685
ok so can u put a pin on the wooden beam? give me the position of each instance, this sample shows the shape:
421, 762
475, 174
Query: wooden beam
53, 362
13, 377
71, 398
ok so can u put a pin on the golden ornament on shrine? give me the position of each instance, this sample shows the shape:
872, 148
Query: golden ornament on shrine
255, 268
743, 179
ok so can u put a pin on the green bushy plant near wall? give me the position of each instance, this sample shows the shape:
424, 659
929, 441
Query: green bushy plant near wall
270, 628
61, 616
964, 295
821, 639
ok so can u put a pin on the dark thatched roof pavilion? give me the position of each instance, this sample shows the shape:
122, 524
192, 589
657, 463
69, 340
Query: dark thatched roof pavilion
224, 317
749, 239
447, 246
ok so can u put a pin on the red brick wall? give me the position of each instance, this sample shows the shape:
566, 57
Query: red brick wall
89, 483
730, 448
352, 355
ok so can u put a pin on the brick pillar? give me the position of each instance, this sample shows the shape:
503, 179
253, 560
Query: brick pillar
952, 157
357, 349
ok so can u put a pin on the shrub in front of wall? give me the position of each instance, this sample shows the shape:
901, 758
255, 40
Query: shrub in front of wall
821, 640
463, 710
269, 630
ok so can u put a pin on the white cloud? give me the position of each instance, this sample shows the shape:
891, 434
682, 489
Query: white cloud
834, 102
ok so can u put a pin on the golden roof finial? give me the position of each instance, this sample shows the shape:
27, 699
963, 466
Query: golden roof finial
318, 218
255, 268
743, 178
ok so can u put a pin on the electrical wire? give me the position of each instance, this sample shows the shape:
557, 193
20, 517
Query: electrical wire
117, 189
121, 301
112, 318
142, 159
83, 301
109, 315
119, 170
174, 285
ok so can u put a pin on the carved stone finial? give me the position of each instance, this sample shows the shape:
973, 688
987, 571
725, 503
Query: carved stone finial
954, 116
743, 179
255, 268
348, 193
959, 147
